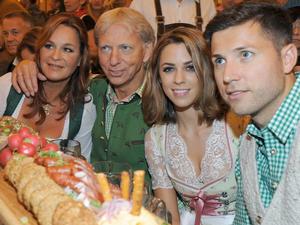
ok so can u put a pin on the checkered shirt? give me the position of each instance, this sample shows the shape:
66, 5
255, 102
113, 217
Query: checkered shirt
113, 102
274, 143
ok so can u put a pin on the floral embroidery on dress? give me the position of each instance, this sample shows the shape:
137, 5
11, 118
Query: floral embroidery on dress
217, 160
170, 166
172, 158
177, 158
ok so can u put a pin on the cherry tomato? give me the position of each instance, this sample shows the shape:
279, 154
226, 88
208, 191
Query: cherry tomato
14, 141
24, 132
51, 147
5, 156
32, 139
43, 142
27, 149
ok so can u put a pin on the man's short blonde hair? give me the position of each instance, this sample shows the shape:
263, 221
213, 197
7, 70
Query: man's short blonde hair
130, 17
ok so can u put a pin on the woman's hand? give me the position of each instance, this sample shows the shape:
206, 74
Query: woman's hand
25, 76
170, 198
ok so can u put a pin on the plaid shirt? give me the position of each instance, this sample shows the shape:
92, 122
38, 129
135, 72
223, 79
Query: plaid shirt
274, 143
113, 102
292, 3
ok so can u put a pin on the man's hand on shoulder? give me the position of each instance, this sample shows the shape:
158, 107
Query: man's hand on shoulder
25, 76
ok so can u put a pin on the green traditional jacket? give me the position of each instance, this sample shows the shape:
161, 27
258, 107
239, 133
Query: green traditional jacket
126, 141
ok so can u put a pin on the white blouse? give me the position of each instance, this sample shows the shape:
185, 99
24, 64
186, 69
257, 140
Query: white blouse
88, 117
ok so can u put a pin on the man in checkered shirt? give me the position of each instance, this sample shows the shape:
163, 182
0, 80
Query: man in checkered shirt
253, 57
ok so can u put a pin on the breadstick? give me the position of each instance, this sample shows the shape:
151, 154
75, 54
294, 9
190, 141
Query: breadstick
137, 195
104, 186
125, 185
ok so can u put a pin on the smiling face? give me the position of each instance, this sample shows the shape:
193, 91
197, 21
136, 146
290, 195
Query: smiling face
251, 74
122, 54
13, 30
178, 77
60, 55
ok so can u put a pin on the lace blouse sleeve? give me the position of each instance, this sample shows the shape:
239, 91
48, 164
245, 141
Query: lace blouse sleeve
156, 159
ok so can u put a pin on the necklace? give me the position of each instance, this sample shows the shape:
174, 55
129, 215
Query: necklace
47, 109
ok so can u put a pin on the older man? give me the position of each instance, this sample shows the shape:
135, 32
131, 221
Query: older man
14, 26
125, 41
5, 58
6, 6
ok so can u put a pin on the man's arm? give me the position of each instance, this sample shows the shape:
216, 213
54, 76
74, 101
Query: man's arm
25, 76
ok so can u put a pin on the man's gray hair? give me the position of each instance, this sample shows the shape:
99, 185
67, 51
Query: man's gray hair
123, 15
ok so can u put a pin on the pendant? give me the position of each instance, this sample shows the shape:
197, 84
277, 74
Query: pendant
47, 109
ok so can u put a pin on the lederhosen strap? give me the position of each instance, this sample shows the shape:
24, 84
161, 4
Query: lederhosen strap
161, 19
199, 20
76, 112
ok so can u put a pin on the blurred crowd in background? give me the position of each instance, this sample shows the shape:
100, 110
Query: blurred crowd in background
36, 12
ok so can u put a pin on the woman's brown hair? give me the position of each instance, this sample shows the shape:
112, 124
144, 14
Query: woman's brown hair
77, 88
157, 107
29, 41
